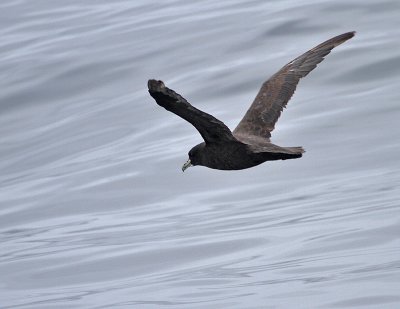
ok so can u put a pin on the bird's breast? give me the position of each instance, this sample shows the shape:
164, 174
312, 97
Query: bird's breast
234, 156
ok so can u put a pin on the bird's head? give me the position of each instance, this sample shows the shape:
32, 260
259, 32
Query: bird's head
195, 156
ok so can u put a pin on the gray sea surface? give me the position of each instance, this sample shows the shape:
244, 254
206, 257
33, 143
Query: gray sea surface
95, 211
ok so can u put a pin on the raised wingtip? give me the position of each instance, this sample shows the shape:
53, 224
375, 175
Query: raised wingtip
335, 41
347, 35
155, 85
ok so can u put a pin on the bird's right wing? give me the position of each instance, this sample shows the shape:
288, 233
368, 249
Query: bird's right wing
274, 94
210, 128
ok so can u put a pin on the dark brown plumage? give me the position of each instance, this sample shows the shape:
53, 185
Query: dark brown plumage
249, 144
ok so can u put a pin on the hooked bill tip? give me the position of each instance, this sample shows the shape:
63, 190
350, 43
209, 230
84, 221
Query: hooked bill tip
187, 164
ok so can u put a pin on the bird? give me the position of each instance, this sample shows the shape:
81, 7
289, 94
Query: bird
249, 144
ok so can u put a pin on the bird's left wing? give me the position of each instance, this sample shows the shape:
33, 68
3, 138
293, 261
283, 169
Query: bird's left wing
210, 128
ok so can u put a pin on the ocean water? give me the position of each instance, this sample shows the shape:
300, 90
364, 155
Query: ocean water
95, 211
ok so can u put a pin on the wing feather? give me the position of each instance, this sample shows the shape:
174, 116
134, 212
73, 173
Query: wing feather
210, 128
275, 93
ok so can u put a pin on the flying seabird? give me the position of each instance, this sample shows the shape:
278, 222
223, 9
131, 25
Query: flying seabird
249, 144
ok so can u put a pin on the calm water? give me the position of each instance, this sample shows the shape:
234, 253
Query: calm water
95, 211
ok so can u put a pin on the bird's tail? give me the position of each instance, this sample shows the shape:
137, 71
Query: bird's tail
292, 153
296, 150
